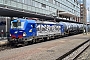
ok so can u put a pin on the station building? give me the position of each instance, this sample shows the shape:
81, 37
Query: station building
65, 9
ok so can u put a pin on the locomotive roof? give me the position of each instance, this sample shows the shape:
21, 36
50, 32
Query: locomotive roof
35, 21
46, 22
30, 21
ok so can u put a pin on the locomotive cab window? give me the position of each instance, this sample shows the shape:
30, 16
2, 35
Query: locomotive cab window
17, 24
14, 24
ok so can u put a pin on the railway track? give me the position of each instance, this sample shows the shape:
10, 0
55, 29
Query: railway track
76, 52
4, 47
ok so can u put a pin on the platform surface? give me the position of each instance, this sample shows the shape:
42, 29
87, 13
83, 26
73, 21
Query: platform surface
3, 41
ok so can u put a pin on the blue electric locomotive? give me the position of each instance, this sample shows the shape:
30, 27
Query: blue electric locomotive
23, 31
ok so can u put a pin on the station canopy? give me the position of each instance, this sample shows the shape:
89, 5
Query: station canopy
67, 14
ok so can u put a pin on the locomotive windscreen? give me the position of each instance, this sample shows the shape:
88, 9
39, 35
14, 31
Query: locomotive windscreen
17, 24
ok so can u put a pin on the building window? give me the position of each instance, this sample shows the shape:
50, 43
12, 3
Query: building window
50, 8
57, 3
47, 7
29, 2
39, 4
44, 5
36, 4
33, 3
26, 2
22, 1
19, 0
53, 1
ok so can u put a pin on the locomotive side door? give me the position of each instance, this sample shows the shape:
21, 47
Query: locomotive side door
34, 32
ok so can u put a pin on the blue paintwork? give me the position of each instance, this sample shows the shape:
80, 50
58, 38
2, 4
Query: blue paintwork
62, 29
27, 26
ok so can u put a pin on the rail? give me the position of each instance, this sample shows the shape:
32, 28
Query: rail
75, 53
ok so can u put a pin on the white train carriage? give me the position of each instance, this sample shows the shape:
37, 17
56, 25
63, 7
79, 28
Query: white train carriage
48, 29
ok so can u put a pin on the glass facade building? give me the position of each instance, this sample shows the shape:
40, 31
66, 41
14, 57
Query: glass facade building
70, 7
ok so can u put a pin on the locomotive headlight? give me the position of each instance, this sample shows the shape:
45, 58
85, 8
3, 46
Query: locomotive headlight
16, 32
10, 34
24, 34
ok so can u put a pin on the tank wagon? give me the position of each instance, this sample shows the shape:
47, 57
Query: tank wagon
88, 27
24, 31
72, 28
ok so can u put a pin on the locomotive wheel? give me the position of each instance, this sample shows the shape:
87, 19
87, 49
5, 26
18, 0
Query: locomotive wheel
38, 40
25, 43
34, 41
48, 38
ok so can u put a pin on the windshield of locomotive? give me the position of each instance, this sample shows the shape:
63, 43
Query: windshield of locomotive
18, 25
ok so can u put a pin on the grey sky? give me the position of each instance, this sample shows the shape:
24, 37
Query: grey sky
88, 6
88, 3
